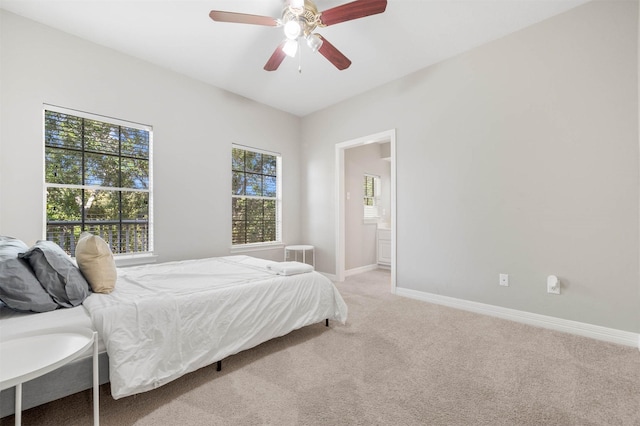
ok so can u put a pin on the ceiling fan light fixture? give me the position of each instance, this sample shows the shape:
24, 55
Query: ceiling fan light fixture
299, 20
314, 41
292, 29
290, 48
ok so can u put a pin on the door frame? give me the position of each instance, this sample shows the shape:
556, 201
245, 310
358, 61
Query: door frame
386, 136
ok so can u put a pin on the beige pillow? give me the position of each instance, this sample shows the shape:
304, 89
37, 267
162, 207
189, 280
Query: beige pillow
96, 263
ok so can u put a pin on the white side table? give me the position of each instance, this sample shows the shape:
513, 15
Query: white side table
27, 356
303, 249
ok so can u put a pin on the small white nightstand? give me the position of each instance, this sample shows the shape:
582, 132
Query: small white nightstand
303, 248
27, 356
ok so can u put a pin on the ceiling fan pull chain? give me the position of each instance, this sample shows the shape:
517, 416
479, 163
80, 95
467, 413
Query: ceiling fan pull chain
299, 59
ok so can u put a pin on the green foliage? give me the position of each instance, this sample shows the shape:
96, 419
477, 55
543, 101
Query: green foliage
64, 204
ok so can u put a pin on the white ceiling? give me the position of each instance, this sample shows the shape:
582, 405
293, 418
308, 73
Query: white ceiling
179, 35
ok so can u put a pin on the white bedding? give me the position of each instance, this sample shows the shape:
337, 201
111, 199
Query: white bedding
165, 320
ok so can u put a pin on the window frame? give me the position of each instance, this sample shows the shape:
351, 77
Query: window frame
126, 258
371, 213
266, 245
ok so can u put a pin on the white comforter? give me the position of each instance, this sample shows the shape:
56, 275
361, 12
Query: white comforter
165, 320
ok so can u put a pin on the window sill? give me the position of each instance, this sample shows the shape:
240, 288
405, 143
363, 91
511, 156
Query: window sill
125, 260
244, 248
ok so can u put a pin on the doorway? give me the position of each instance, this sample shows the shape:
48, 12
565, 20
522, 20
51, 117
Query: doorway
382, 137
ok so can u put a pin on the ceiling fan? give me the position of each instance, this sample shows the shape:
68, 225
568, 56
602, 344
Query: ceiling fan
299, 19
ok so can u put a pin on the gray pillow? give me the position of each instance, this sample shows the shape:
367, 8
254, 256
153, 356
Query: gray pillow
57, 273
10, 247
20, 289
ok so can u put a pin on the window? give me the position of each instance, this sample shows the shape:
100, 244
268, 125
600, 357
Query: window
97, 179
371, 190
255, 196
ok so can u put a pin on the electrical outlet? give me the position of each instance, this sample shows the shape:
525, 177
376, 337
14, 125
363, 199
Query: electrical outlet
553, 284
504, 280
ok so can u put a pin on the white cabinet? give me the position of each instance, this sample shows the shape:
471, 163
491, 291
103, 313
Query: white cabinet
384, 247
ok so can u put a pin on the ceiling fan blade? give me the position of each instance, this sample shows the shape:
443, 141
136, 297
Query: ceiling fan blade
242, 18
354, 10
334, 56
276, 59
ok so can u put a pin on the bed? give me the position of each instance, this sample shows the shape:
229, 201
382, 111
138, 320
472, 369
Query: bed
165, 320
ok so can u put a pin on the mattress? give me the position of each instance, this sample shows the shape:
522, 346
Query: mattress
13, 323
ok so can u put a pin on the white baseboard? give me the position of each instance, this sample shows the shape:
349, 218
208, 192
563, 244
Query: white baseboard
360, 270
558, 324
332, 277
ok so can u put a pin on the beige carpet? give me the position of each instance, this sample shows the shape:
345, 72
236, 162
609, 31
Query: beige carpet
397, 361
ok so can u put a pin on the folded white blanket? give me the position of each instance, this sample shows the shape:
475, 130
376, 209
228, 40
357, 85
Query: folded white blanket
289, 268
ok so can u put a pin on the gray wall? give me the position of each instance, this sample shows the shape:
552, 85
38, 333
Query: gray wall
519, 157
194, 127
360, 237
